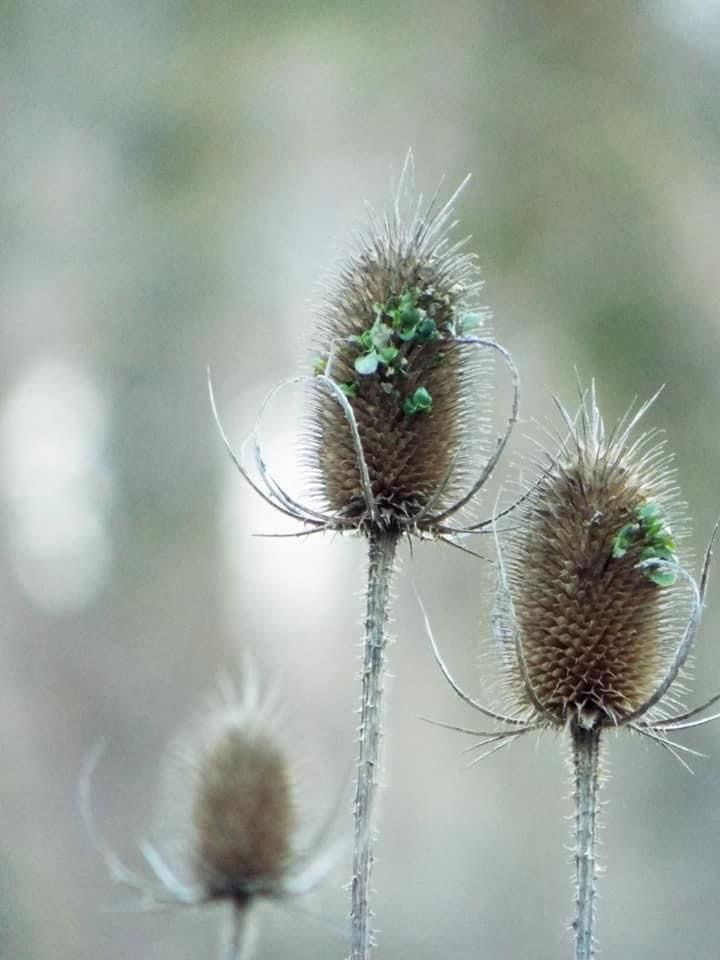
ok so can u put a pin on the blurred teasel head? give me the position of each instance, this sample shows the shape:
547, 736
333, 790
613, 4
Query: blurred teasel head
398, 432
229, 818
240, 813
597, 611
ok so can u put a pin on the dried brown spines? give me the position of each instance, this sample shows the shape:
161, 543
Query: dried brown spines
242, 817
589, 571
392, 334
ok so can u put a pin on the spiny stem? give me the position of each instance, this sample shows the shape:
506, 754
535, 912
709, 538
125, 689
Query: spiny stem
586, 756
380, 569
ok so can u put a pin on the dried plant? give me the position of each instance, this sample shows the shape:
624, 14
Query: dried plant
398, 432
596, 613
229, 818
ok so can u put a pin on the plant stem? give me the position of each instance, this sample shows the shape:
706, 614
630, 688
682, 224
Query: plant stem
380, 569
238, 944
586, 757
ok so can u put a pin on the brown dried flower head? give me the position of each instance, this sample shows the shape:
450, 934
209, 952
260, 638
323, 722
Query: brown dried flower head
228, 820
242, 814
405, 362
400, 395
595, 612
593, 588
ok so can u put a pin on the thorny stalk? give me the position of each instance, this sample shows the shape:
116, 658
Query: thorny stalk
380, 569
586, 756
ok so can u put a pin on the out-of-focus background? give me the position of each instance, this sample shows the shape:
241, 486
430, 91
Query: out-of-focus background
175, 178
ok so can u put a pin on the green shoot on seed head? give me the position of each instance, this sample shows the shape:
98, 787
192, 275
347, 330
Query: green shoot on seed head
418, 402
398, 322
658, 558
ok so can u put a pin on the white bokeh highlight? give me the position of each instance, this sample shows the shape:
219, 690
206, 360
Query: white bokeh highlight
55, 485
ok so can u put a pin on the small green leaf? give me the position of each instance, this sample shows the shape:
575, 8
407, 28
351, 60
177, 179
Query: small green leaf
320, 365
662, 571
407, 333
624, 539
408, 315
648, 512
388, 354
380, 334
349, 389
665, 541
367, 363
365, 339
427, 330
651, 518
653, 552
418, 402
663, 577
659, 564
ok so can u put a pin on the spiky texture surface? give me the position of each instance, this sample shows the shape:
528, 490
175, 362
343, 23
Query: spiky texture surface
242, 815
230, 800
594, 633
410, 457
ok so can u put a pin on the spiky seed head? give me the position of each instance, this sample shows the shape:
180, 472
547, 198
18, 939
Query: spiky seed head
590, 576
392, 334
234, 794
228, 826
242, 816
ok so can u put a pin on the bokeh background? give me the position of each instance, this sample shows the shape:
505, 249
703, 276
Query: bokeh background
175, 178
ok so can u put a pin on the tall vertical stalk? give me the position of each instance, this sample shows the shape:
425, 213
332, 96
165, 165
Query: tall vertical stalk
380, 570
586, 757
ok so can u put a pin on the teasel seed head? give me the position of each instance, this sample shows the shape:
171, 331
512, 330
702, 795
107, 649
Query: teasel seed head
592, 584
401, 381
229, 816
400, 419
239, 841
595, 613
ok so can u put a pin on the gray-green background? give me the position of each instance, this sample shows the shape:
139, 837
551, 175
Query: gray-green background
175, 178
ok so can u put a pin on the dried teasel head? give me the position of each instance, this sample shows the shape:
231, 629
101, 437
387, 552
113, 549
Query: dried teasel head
397, 437
405, 357
596, 612
240, 811
599, 610
229, 816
